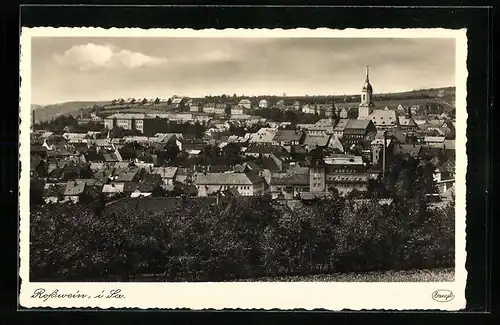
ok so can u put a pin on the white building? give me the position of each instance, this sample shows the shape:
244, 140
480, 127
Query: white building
245, 103
247, 184
263, 103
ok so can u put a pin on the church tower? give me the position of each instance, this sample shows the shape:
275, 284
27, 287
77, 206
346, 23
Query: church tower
366, 106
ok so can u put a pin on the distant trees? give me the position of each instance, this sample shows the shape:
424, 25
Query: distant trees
70, 123
58, 124
168, 155
37, 194
119, 132
165, 126
295, 117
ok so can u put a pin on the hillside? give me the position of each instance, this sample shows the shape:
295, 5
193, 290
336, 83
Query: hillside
49, 112
421, 96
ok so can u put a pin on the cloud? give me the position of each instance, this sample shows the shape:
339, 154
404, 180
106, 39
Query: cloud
217, 56
92, 56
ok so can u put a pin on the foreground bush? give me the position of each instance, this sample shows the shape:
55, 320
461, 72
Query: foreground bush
237, 238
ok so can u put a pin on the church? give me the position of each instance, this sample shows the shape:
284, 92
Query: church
381, 118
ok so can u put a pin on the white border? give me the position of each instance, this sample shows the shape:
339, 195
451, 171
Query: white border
308, 296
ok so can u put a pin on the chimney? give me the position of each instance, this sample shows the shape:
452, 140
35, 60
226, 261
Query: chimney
383, 154
33, 120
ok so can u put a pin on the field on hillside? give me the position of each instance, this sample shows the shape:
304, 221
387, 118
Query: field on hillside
138, 110
392, 103
49, 112
431, 275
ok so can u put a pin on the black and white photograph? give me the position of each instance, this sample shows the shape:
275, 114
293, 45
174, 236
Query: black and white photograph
240, 159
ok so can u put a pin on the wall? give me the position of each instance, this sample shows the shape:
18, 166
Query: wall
317, 179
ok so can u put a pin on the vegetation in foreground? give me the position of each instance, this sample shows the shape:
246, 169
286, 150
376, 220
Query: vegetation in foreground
427, 275
246, 237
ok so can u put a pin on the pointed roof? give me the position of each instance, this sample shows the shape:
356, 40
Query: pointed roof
367, 86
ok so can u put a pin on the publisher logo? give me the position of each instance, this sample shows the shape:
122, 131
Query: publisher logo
442, 295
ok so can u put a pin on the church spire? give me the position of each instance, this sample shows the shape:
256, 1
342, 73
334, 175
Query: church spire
367, 74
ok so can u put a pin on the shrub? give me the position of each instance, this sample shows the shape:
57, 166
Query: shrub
238, 238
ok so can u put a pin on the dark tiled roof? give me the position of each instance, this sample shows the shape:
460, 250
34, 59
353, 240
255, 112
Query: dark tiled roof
74, 188
409, 149
288, 135
268, 163
55, 190
127, 175
290, 179
264, 148
357, 124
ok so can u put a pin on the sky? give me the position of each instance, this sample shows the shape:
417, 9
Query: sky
81, 69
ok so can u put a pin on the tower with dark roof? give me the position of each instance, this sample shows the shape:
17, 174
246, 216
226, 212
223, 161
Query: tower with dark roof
366, 106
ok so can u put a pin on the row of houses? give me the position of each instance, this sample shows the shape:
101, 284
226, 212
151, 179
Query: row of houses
278, 169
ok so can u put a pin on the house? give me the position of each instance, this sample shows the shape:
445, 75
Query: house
377, 146
321, 127
237, 139
75, 137
436, 142
263, 103
344, 114
339, 171
148, 182
356, 130
280, 104
54, 192
112, 189
308, 109
407, 123
335, 145
196, 107
313, 142
444, 116
209, 108
408, 150
339, 129
220, 108
127, 121
127, 175
263, 135
179, 102
167, 174
383, 118
282, 159
265, 150
289, 185
247, 184
394, 134
446, 171
245, 103
74, 191
325, 108
288, 138
236, 110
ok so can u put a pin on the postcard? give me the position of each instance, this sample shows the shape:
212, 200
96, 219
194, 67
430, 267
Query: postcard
311, 169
